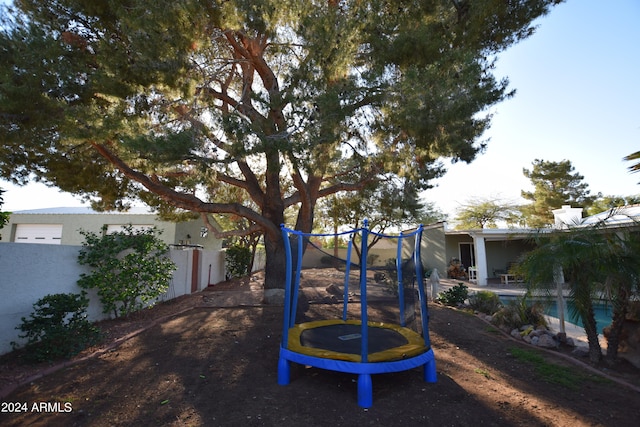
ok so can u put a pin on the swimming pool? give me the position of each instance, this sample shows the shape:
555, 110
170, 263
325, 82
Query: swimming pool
602, 311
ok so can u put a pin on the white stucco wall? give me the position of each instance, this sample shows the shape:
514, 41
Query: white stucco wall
28, 272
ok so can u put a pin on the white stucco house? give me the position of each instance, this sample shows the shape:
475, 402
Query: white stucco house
62, 226
487, 253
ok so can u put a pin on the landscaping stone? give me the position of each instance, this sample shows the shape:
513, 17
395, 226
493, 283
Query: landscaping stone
580, 351
547, 341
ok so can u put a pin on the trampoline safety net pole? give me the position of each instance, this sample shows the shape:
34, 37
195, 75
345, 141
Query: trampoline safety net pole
424, 313
363, 292
294, 291
287, 288
345, 296
400, 280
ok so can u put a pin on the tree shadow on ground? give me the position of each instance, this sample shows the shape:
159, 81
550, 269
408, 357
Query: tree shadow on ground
218, 366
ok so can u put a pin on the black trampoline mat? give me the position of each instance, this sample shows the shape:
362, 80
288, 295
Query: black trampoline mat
346, 338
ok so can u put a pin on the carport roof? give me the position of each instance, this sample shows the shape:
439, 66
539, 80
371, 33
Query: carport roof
624, 215
81, 210
497, 233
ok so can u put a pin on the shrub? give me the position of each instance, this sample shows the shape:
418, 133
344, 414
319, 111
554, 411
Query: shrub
130, 269
485, 302
372, 259
237, 260
520, 312
58, 328
454, 296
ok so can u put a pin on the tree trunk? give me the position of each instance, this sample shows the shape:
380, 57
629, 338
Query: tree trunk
589, 320
613, 337
276, 263
273, 212
617, 323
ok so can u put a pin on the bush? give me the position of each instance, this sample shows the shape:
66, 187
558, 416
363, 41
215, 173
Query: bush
131, 269
372, 259
454, 296
519, 313
58, 328
237, 260
485, 302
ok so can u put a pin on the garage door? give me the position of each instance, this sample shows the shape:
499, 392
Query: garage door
50, 234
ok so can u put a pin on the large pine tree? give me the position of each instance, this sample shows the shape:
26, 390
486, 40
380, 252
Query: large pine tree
173, 102
555, 184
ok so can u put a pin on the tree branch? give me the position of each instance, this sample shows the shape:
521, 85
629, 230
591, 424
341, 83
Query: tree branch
218, 234
182, 200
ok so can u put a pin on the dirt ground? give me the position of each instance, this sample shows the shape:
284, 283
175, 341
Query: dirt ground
190, 362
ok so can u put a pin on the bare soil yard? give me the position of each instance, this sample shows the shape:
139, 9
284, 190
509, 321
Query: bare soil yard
189, 362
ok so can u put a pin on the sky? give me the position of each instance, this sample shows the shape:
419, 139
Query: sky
577, 98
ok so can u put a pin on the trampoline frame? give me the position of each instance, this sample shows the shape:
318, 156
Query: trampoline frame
363, 368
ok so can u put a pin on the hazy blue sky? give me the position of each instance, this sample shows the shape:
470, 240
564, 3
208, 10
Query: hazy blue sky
578, 98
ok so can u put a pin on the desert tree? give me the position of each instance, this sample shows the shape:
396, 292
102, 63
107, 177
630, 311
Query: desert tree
389, 205
486, 213
289, 101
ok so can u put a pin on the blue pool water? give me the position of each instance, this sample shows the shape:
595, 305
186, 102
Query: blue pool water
603, 312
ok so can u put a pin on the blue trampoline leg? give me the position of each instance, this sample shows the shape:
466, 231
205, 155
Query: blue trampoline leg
430, 374
365, 391
284, 368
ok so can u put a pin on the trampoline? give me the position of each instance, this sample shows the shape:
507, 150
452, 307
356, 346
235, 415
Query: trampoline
362, 345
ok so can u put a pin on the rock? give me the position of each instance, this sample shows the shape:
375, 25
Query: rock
580, 351
334, 290
516, 334
547, 341
329, 299
561, 337
274, 296
537, 333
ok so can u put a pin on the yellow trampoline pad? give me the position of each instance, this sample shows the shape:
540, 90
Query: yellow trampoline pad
341, 340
